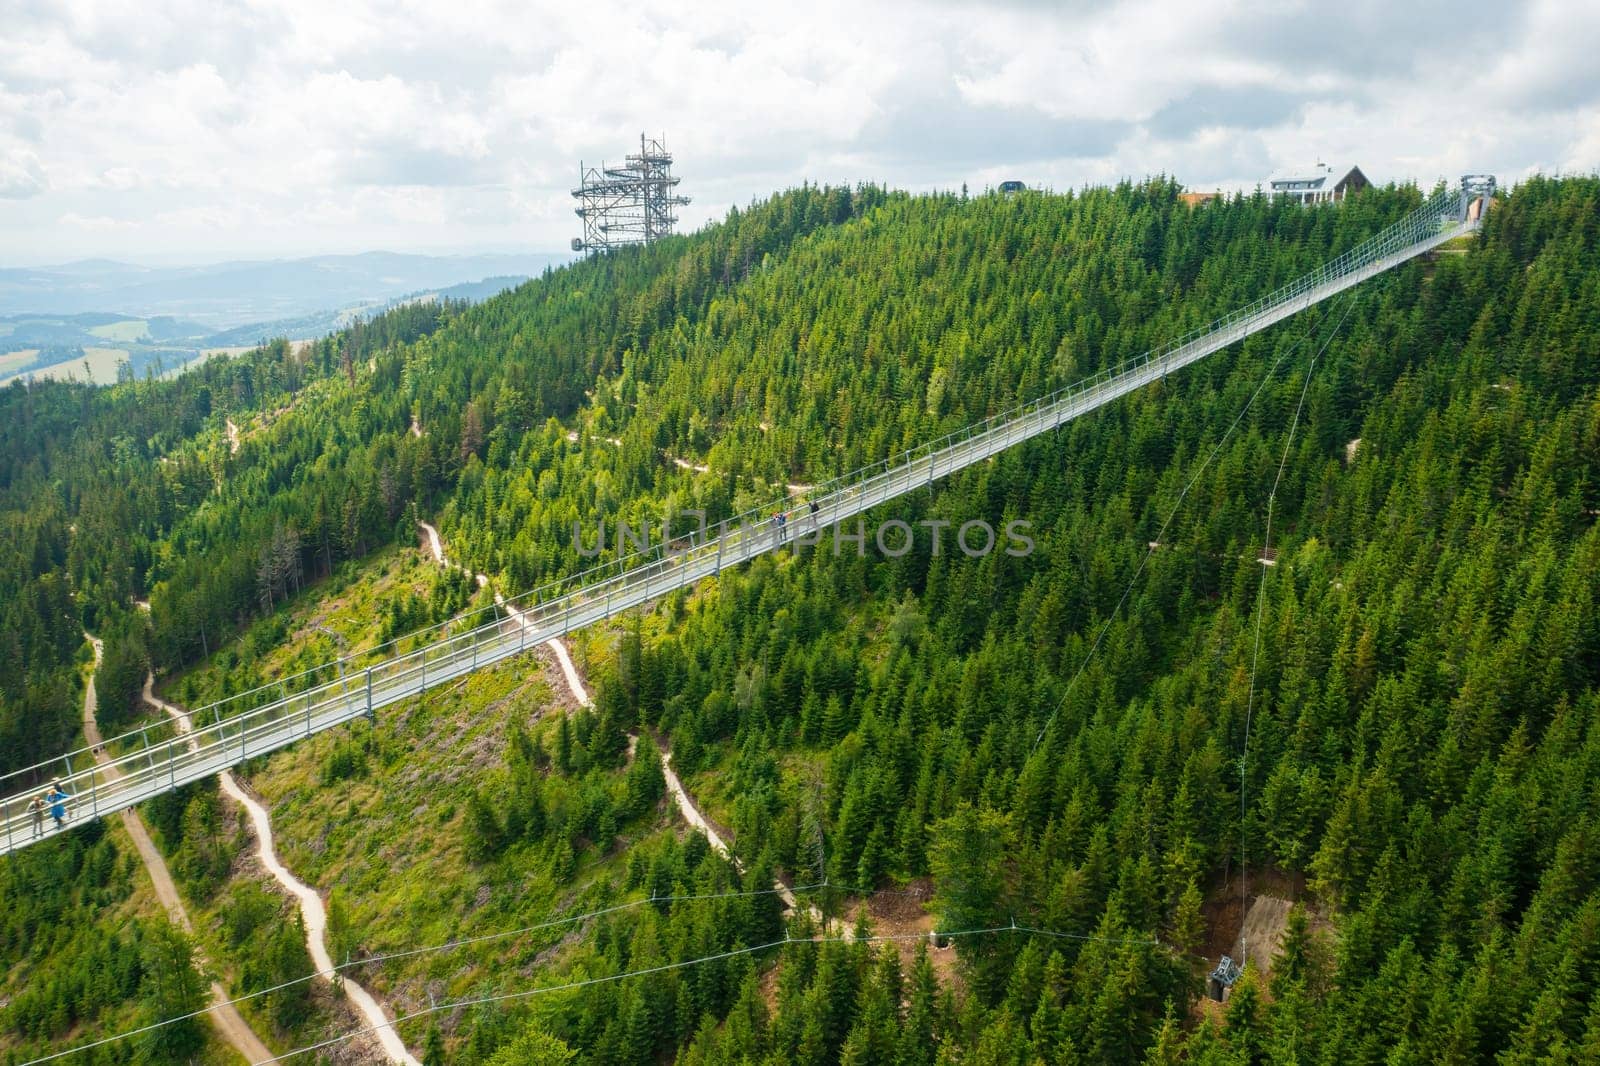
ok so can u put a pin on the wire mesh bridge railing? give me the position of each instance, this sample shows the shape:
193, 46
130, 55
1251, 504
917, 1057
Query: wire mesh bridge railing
147, 762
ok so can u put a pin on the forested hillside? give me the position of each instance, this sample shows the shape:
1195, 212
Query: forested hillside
1424, 739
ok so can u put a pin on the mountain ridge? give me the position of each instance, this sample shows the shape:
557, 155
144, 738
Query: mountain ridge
238, 292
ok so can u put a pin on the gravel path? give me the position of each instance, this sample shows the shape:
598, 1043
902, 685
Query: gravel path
312, 909
224, 1016
680, 795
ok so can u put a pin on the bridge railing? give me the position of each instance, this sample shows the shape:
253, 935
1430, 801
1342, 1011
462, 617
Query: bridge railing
267, 717
1395, 237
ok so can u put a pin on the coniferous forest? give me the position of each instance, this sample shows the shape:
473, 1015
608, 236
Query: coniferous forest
1395, 725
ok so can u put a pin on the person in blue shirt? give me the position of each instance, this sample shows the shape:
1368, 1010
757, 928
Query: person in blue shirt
58, 803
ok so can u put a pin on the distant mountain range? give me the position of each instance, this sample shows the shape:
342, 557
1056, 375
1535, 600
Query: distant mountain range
86, 318
223, 296
321, 323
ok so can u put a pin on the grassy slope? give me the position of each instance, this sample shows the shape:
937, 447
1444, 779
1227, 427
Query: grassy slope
128, 330
388, 834
377, 815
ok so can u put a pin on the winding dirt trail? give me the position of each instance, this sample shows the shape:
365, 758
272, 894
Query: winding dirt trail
680, 795
223, 1015
691, 814
311, 906
435, 545
556, 645
793, 488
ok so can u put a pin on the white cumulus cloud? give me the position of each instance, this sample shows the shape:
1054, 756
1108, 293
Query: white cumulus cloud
297, 126
21, 176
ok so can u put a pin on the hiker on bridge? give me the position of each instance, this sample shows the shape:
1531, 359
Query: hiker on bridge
58, 803
36, 808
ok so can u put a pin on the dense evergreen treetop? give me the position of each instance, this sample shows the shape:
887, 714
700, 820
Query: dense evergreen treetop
1424, 747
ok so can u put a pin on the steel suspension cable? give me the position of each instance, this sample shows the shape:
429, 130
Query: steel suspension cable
1172, 513
501, 997
1255, 654
448, 945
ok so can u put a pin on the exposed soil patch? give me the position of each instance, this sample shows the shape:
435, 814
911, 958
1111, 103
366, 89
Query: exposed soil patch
562, 698
1272, 892
1262, 934
769, 989
903, 913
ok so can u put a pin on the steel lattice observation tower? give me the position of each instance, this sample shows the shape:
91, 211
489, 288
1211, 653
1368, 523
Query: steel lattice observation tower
628, 204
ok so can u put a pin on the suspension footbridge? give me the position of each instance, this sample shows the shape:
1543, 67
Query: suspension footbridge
146, 763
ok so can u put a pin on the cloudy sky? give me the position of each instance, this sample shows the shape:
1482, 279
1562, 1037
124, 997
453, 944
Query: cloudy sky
170, 130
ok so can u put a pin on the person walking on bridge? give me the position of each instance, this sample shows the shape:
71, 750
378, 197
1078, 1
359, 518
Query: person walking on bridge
36, 808
58, 803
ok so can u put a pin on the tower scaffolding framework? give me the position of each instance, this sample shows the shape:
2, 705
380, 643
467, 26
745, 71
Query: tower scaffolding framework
633, 203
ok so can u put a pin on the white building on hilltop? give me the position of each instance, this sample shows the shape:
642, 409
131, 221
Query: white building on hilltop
1318, 184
